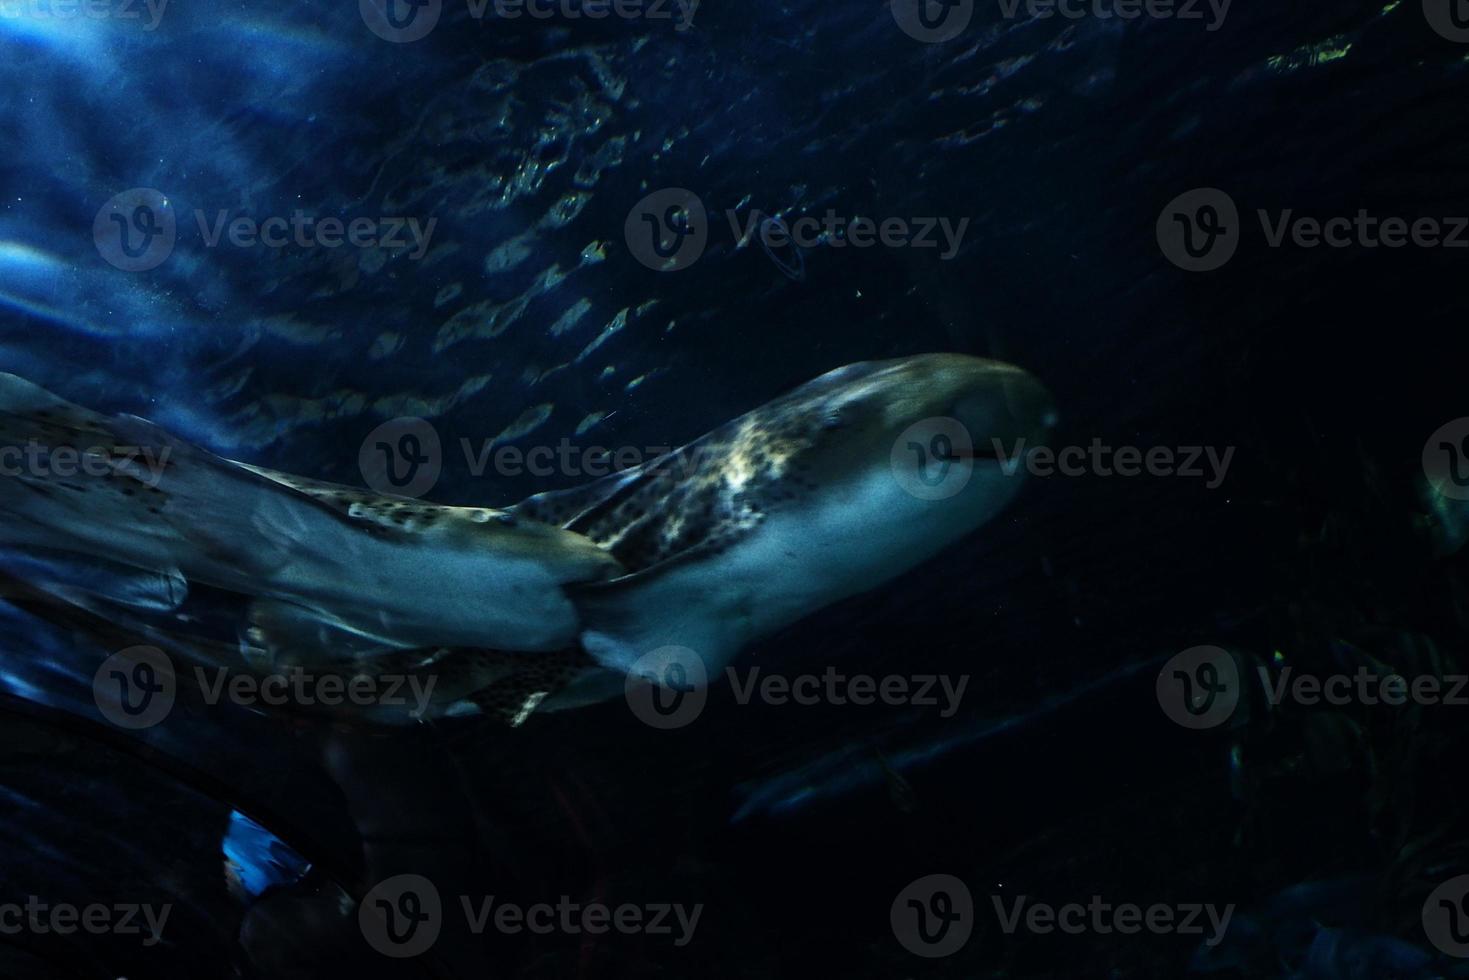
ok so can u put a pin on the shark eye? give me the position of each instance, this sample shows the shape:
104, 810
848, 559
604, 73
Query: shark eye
833, 419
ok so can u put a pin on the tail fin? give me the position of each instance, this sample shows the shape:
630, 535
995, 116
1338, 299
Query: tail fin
123, 522
123, 491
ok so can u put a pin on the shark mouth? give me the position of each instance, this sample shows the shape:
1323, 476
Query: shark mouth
958, 455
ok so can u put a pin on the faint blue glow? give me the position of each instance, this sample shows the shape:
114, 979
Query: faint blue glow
259, 860
38, 21
20, 257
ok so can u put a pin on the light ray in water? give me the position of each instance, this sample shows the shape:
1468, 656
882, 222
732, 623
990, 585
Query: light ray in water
854, 767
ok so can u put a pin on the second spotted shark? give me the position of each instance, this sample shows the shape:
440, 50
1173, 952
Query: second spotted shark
829, 491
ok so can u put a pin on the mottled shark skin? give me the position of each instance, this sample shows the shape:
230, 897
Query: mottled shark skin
333, 574
785, 510
550, 604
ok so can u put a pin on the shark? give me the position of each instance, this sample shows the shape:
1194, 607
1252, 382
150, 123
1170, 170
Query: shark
829, 491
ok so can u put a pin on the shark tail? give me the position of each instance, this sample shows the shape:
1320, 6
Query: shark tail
120, 492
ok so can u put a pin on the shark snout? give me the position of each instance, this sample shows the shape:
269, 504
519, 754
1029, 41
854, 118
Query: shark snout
1006, 404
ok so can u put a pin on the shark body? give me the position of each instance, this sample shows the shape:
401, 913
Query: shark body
816, 496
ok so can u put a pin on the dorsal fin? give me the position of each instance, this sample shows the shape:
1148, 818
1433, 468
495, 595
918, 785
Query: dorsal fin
693, 500
384, 511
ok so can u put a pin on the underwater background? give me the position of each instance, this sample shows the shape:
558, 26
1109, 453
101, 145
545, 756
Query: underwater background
528, 317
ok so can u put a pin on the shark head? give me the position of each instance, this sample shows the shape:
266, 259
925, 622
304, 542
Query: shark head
914, 454
829, 491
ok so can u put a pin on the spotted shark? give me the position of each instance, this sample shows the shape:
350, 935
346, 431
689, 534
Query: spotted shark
827, 492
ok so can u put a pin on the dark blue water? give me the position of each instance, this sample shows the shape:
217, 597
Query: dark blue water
527, 316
